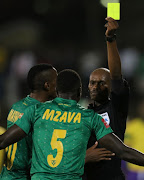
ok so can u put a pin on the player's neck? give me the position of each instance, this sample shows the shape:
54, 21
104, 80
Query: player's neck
39, 96
68, 96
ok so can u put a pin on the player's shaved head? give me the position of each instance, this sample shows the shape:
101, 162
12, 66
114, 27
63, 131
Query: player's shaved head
69, 84
39, 74
68, 81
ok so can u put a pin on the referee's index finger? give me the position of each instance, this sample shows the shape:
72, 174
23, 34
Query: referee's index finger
110, 19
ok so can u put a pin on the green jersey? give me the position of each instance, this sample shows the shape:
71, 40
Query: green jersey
19, 154
60, 132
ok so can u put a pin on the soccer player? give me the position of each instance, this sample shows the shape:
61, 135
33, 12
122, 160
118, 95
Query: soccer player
41, 80
60, 132
110, 95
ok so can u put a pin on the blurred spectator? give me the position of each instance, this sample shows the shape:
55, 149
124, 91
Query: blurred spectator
130, 59
3, 65
16, 87
89, 61
134, 138
139, 76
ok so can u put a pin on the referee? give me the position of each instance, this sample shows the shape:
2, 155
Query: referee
110, 95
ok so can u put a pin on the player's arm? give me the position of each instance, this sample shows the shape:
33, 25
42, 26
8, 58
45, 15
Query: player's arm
19, 130
114, 144
114, 62
94, 154
12, 135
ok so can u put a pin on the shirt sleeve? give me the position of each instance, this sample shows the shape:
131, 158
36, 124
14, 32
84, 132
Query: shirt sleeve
120, 95
100, 126
26, 119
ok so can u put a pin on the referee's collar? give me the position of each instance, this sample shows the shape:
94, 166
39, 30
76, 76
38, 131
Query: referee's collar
94, 106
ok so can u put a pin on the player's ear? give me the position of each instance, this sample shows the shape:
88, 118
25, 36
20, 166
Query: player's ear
46, 86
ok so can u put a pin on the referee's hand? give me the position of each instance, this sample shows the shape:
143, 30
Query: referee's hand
111, 25
94, 154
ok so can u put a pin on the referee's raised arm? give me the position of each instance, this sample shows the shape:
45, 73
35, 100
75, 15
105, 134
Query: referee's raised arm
114, 62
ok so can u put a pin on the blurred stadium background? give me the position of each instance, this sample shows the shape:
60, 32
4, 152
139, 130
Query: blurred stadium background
67, 34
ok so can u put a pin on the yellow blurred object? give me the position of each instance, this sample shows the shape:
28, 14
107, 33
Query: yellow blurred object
134, 138
2, 152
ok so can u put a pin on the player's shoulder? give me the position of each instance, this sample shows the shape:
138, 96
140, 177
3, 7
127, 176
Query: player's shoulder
18, 103
43, 104
88, 112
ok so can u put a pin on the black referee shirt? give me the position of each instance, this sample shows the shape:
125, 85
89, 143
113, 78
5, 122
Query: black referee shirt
114, 111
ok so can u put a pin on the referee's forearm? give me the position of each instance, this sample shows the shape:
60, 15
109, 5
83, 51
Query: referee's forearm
114, 144
114, 62
133, 156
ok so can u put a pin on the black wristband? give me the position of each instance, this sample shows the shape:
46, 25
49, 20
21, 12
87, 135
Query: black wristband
111, 39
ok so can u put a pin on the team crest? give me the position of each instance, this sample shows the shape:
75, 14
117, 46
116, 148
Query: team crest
20, 116
53, 162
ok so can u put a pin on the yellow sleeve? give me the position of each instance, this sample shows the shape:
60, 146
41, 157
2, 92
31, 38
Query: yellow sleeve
2, 152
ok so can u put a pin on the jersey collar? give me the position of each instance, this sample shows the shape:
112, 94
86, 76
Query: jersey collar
31, 99
65, 102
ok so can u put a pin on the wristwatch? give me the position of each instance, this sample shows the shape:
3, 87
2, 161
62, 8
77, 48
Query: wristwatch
111, 38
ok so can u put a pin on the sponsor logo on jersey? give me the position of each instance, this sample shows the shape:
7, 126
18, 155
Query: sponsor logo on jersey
105, 123
14, 115
65, 117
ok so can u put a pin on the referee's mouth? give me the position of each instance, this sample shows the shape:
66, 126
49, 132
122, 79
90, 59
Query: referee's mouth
94, 94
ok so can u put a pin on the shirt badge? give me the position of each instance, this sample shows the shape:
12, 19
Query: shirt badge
20, 116
106, 117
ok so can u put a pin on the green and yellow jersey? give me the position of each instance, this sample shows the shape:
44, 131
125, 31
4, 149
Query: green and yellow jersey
60, 132
18, 159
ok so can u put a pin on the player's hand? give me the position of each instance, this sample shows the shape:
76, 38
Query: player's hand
111, 26
94, 154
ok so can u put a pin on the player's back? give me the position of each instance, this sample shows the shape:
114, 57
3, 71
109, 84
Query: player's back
61, 132
18, 160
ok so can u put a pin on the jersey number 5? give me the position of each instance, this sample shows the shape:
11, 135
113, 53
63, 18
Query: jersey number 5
55, 144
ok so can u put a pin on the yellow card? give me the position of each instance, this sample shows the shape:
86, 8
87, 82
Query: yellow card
113, 10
